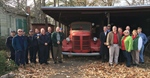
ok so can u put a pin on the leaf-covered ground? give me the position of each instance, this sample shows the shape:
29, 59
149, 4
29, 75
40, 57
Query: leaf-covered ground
83, 67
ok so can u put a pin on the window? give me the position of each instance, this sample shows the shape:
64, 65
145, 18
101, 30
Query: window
81, 26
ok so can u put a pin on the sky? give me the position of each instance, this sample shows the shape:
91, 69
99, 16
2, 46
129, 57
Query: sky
122, 3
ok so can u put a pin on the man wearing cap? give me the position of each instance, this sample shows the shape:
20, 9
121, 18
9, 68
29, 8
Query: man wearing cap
61, 31
30, 47
26, 57
9, 45
19, 44
108, 28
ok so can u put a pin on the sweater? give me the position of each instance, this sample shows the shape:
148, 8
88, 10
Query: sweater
54, 38
137, 43
128, 43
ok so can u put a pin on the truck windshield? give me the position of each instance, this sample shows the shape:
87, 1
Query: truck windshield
81, 26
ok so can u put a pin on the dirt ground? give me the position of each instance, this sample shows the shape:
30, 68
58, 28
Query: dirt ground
83, 67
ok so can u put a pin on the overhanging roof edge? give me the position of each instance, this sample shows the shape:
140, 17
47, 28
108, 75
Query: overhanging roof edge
97, 8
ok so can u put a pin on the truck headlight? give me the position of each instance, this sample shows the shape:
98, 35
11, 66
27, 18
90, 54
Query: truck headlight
68, 39
94, 38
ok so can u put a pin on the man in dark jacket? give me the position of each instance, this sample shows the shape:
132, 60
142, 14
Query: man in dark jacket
35, 44
103, 49
30, 47
26, 56
57, 38
19, 44
50, 43
43, 45
9, 45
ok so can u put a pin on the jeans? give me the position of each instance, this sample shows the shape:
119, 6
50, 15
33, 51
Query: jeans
141, 54
12, 57
128, 57
32, 55
20, 57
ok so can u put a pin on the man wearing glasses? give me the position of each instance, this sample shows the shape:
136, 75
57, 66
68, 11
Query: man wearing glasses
19, 44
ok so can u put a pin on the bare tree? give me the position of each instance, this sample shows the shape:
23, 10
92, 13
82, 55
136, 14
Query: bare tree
17, 5
109, 2
137, 2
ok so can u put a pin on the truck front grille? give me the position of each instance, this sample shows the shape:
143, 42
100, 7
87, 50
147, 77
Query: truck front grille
76, 42
81, 42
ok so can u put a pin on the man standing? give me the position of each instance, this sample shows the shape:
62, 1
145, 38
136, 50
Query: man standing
103, 47
50, 43
26, 56
30, 47
113, 43
108, 28
57, 39
120, 31
121, 55
9, 45
128, 28
19, 43
144, 38
43, 45
61, 31
35, 45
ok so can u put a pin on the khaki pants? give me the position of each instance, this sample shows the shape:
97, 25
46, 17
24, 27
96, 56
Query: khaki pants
57, 51
113, 53
135, 57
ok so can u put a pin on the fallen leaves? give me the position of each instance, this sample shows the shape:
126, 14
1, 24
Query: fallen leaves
83, 67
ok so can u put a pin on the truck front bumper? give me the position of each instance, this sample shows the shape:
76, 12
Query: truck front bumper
80, 54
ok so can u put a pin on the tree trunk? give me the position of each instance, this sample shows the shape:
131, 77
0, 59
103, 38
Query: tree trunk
54, 3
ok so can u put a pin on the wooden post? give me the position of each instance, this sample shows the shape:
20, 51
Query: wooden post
46, 23
108, 18
55, 20
28, 18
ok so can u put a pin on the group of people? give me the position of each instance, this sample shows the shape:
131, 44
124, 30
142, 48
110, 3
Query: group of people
118, 45
39, 43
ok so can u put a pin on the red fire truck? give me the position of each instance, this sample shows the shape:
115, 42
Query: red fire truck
80, 40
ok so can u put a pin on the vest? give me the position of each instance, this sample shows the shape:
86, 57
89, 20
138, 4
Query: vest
135, 43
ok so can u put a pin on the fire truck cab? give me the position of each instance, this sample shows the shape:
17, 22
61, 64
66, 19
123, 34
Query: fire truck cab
80, 40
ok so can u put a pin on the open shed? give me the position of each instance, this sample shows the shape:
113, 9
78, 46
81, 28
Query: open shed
121, 16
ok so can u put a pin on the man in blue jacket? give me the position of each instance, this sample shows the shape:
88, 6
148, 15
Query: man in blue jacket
19, 44
36, 45
143, 36
50, 43
43, 46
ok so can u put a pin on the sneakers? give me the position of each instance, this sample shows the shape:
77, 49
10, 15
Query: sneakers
60, 61
110, 64
55, 62
128, 66
141, 62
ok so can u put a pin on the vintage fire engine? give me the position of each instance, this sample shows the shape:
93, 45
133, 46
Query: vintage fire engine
80, 41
